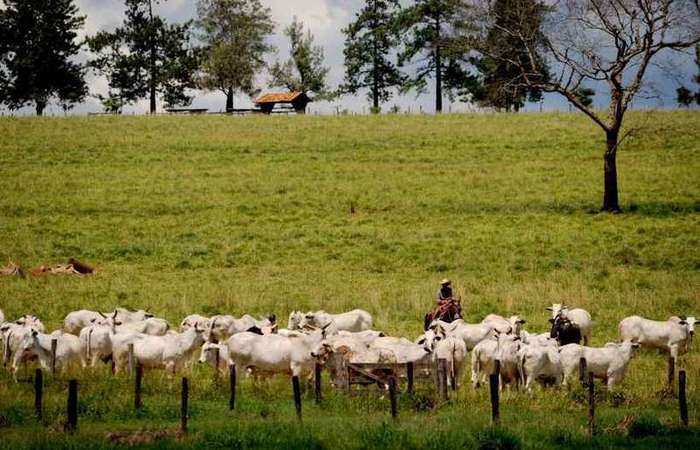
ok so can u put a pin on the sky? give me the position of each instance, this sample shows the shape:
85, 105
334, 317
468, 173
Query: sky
326, 19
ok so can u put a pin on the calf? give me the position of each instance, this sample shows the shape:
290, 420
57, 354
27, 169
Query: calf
674, 336
579, 317
608, 363
503, 347
540, 363
69, 351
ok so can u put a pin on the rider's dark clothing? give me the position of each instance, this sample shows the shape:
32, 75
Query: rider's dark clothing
444, 293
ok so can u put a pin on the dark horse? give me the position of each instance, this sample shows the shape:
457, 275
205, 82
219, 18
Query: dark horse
448, 311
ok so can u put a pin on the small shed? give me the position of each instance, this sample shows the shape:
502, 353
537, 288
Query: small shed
297, 100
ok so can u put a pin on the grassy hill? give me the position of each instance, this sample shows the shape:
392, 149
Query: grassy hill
258, 215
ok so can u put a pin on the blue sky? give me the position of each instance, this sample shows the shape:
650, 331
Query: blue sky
326, 18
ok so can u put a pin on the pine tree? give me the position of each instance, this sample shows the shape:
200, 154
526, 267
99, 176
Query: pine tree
504, 87
370, 40
433, 37
37, 49
235, 33
145, 57
304, 71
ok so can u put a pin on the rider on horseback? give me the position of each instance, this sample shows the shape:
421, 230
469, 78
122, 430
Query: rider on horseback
448, 307
445, 291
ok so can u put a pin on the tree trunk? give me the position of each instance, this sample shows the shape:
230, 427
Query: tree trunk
610, 197
438, 68
40, 106
229, 99
375, 60
152, 65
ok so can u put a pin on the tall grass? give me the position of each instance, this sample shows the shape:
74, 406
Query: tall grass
258, 215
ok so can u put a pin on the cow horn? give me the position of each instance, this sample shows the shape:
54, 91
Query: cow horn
100, 313
549, 308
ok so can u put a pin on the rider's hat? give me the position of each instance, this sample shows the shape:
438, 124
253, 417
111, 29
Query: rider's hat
445, 281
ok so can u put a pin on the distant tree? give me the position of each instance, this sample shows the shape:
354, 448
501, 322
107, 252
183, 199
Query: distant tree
685, 96
512, 17
304, 71
235, 35
370, 41
38, 42
432, 37
146, 56
585, 96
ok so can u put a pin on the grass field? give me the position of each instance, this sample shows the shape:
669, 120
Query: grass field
258, 215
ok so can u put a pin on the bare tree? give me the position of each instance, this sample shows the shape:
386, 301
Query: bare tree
598, 41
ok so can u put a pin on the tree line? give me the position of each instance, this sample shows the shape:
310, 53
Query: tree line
496, 53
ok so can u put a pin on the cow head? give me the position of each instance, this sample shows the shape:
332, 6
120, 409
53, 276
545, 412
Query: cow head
322, 352
557, 309
208, 353
295, 320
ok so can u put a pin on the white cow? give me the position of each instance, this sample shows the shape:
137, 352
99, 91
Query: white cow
503, 347
77, 320
12, 335
608, 363
222, 327
295, 321
194, 320
97, 339
579, 317
168, 352
541, 363
69, 351
152, 326
366, 336
471, 334
542, 339
674, 335
355, 320
454, 351
513, 324
273, 353
208, 356
404, 351
31, 321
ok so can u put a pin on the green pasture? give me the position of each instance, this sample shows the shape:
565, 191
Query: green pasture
259, 215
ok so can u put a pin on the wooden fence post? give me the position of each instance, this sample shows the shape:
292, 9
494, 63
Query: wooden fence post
495, 410
216, 366
442, 375
184, 399
392, 397
38, 392
671, 375
409, 377
582, 366
682, 400
54, 344
297, 395
132, 362
591, 404
137, 387
232, 384
317, 382
72, 405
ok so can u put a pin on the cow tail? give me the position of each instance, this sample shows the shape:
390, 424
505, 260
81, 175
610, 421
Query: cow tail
89, 343
6, 349
521, 368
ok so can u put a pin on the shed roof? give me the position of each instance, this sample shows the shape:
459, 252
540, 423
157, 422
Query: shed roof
282, 97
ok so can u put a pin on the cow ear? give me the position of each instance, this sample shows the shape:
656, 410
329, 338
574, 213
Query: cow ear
549, 308
551, 320
35, 333
522, 321
421, 341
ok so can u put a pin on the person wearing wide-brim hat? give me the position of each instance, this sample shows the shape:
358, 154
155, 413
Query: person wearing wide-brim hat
445, 291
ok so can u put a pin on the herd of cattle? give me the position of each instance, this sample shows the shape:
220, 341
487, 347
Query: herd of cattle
261, 348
